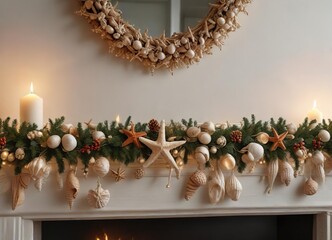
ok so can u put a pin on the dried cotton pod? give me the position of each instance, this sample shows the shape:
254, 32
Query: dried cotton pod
233, 187
101, 167
310, 187
99, 197
196, 180
272, 171
72, 187
286, 172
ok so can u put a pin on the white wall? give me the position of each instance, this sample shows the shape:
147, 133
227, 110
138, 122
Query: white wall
275, 65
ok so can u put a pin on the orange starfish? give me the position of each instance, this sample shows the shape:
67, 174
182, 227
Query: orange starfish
278, 140
132, 136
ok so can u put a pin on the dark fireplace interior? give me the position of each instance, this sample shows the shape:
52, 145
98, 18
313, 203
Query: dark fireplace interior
281, 227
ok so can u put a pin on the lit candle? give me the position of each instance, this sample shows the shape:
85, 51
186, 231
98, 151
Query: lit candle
315, 114
117, 120
31, 108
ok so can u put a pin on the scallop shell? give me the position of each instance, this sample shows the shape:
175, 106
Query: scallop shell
72, 187
262, 137
286, 172
204, 138
196, 180
69, 142
208, 127
233, 187
324, 135
310, 187
4, 181
272, 171
36, 167
193, 132
53, 141
101, 167
227, 162
216, 185
99, 197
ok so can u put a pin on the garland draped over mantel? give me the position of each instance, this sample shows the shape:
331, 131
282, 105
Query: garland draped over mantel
285, 149
181, 49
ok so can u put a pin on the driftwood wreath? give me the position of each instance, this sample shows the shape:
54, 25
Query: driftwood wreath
178, 50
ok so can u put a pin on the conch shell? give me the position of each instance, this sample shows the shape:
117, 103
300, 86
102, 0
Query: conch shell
99, 197
72, 187
272, 171
19, 184
286, 172
233, 187
216, 185
310, 187
196, 180
40, 181
36, 167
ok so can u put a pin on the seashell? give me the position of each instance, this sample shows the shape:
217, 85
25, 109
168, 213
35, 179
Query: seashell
318, 173
36, 167
98, 135
310, 187
69, 142
201, 41
291, 128
72, 187
299, 153
116, 35
161, 56
18, 195
19, 154
171, 49
190, 53
233, 187
272, 171
109, 29
99, 197
227, 162
4, 181
193, 132
216, 186
184, 40
204, 138
137, 45
262, 137
255, 151
286, 172
221, 21
324, 135
66, 127
101, 167
202, 155
11, 157
221, 141
196, 180
318, 158
41, 181
59, 180
208, 127
53, 141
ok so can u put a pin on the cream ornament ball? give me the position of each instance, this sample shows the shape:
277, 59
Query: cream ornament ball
11, 157
255, 151
69, 142
204, 138
101, 167
98, 135
193, 132
171, 49
324, 135
53, 141
208, 127
137, 45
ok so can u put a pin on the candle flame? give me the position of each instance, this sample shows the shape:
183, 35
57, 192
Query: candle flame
105, 237
31, 87
117, 119
314, 105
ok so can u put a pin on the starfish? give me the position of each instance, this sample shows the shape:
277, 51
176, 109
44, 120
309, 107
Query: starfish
132, 136
161, 148
278, 140
119, 174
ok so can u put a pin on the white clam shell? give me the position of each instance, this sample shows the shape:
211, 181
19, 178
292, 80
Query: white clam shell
53, 141
98, 135
101, 167
227, 162
208, 127
69, 142
255, 151
171, 49
202, 155
324, 135
99, 197
262, 137
204, 138
193, 132
137, 45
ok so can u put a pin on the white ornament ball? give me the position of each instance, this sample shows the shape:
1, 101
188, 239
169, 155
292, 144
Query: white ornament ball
221, 21
98, 135
109, 29
255, 151
204, 138
227, 162
202, 155
213, 149
208, 127
171, 49
19, 153
193, 132
324, 135
184, 40
137, 45
318, 157
53, 141
190, 53
69, 142
101, 167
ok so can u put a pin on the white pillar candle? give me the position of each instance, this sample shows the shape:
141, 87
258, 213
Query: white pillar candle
31, 108
315, 114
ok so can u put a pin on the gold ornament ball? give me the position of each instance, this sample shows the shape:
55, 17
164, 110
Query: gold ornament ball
227, 162
11, 157
4, 155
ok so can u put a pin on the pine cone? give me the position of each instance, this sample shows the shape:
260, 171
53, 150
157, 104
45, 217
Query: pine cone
154, 125
139, 173
236, 136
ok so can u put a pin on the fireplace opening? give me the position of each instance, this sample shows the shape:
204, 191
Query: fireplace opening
226, 227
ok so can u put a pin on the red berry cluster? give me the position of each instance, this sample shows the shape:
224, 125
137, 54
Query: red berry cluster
95, 146
317, 143
3, 142
299, 145
236, 136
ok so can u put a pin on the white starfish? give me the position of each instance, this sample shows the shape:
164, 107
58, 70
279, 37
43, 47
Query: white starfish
162, 148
